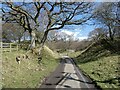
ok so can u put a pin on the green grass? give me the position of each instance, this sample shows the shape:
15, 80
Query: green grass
101, 65
103, 71
27, 74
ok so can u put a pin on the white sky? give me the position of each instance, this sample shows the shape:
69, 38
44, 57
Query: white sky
76, 34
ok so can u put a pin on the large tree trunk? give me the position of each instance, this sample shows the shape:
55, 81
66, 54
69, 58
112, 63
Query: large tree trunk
33, 36
110, 33
42, 42
40, 51
41, 46
19, 40
24, 36
32, 39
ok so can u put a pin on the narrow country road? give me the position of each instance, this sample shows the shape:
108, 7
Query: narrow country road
67, 75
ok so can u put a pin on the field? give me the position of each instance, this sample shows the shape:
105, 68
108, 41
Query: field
27, 74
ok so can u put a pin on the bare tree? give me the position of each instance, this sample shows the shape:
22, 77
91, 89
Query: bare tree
57, 15
12, 32
108, 14
98, 33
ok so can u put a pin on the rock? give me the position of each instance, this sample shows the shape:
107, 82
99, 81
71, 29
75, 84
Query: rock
3, 78
36, 69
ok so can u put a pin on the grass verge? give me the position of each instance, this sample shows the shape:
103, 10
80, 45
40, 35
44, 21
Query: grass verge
104, 71
27, 74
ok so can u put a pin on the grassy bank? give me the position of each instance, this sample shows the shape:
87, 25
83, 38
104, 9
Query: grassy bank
104, 71
29, 74
101, 65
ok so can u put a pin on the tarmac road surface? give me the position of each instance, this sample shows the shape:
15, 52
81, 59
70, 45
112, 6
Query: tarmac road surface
67, 75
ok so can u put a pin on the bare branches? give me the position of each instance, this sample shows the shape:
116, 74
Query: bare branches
107, 16
57, 14
80, 21
18, 9
65, 14
38, 8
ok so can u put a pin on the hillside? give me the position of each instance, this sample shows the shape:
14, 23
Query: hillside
100, 63
27, 74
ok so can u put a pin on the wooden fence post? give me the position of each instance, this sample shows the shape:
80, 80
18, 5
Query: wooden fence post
10, 47
1, 46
